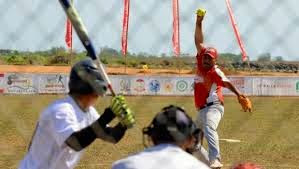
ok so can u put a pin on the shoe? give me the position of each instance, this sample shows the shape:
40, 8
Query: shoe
216, 164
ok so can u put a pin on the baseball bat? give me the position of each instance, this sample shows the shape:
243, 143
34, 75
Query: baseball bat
81, 31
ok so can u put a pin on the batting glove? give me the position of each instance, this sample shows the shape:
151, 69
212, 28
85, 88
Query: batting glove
201, 12
122, 111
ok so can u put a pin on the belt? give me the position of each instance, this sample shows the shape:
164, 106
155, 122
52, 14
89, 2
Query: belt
209, 104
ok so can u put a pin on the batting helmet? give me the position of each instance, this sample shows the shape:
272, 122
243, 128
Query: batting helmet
85, 78
172, 125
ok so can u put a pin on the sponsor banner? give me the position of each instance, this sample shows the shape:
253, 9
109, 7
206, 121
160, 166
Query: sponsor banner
1, 83
238, 82
274, 86
53, 83
121, 84
138, 86
154, 86
184, 86
21, 83
13, 83
168, 86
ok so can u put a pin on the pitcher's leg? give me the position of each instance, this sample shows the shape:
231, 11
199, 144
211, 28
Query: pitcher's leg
212, 116
201, 153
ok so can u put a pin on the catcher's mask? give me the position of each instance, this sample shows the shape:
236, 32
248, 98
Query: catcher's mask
172, 125
85, 78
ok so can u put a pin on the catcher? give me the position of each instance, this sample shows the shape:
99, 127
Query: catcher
208, 96
174, 135
69, 125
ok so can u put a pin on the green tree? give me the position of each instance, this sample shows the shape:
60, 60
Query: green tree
264, 57
278, 59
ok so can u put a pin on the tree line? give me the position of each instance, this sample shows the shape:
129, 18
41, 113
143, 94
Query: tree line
114, 58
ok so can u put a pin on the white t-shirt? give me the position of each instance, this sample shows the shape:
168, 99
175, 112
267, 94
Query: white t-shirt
163, 156
48, 149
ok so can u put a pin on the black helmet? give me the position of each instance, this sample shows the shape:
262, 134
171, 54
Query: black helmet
172, 125
85, 78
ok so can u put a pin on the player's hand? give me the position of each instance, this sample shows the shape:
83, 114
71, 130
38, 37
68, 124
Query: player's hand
122, 111
200, 13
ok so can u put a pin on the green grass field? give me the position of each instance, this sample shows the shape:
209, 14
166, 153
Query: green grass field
269, 135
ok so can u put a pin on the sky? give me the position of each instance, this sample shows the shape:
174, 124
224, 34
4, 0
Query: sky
265, 26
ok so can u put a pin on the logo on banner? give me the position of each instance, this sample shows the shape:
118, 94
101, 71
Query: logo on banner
139, 85
54, 81
182, 85
154, 86
297, 86
52, 84
125, 85
20, 84
168, 86
275, 86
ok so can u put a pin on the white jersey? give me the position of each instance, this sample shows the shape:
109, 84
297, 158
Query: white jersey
164, 156
48, 149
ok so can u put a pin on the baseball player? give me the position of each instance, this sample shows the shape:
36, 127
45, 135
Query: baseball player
207, 92
69, 125
174, 135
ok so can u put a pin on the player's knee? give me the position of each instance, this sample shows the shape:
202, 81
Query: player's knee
211, 124
209, 127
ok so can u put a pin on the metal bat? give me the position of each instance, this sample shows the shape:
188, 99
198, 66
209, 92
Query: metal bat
81, 31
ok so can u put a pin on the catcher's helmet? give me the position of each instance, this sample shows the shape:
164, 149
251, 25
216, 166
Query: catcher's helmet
172, 125
85, 78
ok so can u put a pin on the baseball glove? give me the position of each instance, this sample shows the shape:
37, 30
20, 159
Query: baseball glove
245, 103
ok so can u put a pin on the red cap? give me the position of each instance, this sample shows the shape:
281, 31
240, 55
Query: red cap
211, 52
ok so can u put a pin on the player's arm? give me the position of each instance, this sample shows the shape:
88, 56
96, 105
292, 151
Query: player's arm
100, 129
232, 88
243, 100
221, 79
198, 35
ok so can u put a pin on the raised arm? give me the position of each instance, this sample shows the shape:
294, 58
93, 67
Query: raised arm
198, 36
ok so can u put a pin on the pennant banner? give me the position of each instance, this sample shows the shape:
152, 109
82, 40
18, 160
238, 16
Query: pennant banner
68, 34
124, 39
176, 28
240, 42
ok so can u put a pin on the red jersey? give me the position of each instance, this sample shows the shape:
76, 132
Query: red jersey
207, 84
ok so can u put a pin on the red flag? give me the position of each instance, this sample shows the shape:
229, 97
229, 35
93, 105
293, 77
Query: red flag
124, 38
68, 34
240, 42
176, 28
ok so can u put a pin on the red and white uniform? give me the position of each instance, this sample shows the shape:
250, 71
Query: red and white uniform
208, 84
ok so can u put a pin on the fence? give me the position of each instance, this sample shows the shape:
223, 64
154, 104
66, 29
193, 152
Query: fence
267, 27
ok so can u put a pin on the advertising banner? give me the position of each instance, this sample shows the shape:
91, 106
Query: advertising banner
21, 83
53, 83
13, 83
